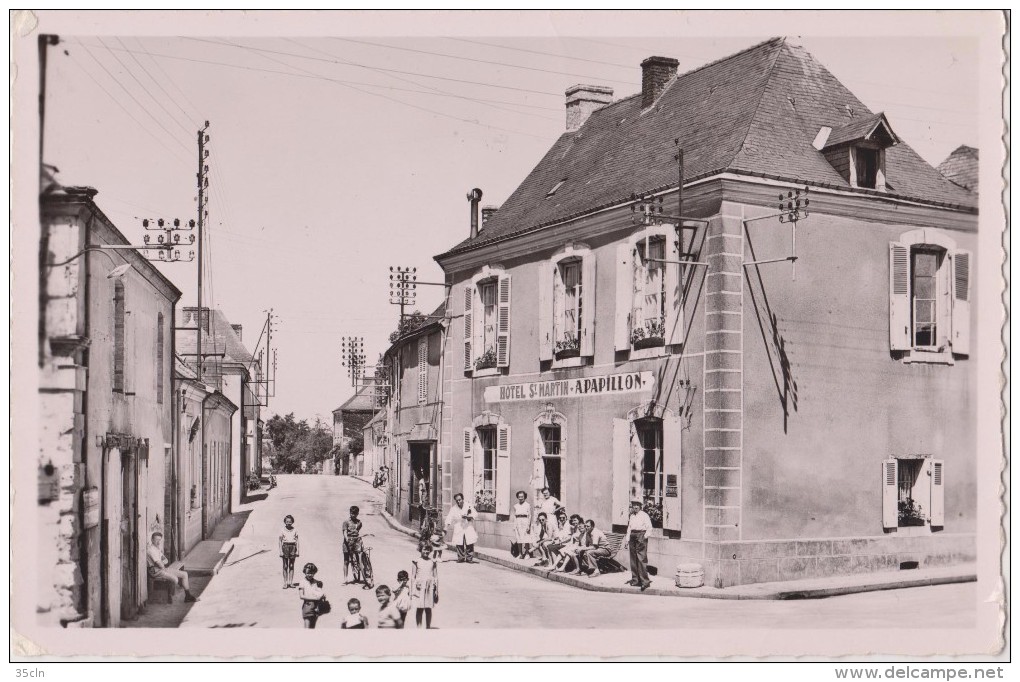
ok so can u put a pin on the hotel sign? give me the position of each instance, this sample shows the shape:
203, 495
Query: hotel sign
583, 387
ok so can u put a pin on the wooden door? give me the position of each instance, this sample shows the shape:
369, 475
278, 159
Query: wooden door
128, 538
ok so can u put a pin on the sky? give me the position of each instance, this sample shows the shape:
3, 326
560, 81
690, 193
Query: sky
335, 157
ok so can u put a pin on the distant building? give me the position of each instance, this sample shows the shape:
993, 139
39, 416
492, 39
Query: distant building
107, 414
230, 368
777, 419
414, 419
962, 167
348, 423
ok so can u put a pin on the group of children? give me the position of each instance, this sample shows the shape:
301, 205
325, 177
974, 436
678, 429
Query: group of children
418, 590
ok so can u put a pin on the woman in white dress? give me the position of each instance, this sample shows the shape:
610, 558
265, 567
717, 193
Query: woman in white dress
522, 524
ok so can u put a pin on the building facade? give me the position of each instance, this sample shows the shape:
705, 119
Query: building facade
108, 422
786, 399
413, 440
348, 424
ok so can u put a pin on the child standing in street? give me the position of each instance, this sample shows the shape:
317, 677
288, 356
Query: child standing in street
389, 615
424, 586
288, 550
402, 596
311, 595
355, 621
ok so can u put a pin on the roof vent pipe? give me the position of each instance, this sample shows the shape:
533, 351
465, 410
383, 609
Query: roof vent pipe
474, 196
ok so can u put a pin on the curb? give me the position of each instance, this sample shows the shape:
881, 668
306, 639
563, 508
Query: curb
215, 568
790, 593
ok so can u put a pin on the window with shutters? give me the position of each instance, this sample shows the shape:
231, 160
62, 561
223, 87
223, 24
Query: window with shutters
566, 306
913, 494
552, 462
485, 492
929, 290
423, 370
649, 435
487, 322
649, 293
119, 336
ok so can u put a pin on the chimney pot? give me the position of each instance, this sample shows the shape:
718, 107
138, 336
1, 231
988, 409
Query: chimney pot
488, 212
583, 100
655, 73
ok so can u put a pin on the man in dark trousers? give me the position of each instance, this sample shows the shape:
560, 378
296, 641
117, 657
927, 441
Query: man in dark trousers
637, 540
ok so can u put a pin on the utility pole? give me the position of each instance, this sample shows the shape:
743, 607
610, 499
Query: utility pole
403, 285
203, 213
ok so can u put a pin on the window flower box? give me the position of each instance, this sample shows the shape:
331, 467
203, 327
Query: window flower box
487, 360
569, 347
485, 501
911, 514
651, 335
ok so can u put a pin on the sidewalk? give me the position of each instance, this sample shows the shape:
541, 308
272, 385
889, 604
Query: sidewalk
203, 562
662, 585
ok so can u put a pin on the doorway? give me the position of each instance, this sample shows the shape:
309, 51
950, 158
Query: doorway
421, 482
128, 537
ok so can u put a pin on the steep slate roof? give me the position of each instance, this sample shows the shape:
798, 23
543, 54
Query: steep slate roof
756, 112
859, 129
363, 400
961, 167
221, 337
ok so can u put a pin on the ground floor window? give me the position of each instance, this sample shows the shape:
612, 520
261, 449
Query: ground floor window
913, 492
911, 509
649, 433
485, 491
551, 459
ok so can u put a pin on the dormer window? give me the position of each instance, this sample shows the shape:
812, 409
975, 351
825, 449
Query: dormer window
857, 150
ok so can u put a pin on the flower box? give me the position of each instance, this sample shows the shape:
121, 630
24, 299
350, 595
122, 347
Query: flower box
568, 353
649, 342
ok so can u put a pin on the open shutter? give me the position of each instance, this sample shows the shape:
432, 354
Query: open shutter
674, 292
899, 297
961, 302
423, 369
938, 499
503, 469
890, 495
624, 295
130, 366
468, 485
621, 471
503, 323
469, 328
587, 294
671, 431
545, 310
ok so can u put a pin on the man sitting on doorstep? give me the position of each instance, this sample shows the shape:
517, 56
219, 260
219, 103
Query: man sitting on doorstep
578, 538
542, 539
596, 547
160, 568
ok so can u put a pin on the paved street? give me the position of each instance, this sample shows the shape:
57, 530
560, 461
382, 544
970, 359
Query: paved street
247, 592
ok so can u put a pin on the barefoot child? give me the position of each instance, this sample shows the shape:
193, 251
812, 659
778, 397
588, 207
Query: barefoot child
389, 615
311, 595
288, 550
424, 586
402, 596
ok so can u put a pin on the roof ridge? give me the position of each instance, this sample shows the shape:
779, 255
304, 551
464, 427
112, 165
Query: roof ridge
761, 96
779, 39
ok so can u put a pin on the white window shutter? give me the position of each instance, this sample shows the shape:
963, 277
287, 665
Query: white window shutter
130, 364
890, 494
671, 431
960, 339
938, 498
621, 471
503, 322
624, 296
468, 484
423, 370
503, 469
899, 297
588, 305
469, 329
545, 310
674, 292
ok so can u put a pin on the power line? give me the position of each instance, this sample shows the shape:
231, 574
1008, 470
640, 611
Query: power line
170, 97
547, 54
482, 61
156, 63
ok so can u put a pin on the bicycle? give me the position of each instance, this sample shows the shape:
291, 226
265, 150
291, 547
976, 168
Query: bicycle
359, 562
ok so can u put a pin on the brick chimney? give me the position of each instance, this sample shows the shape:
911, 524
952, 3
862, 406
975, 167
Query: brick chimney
655, 73
237, 330
488, 212
582, 100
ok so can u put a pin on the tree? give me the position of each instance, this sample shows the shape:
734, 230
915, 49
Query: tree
294, 442
408, 324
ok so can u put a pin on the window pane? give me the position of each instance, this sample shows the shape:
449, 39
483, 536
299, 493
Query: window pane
552, 477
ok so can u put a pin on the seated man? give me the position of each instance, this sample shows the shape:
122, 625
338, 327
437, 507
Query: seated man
598, 548
160, 568
562, 532
578, 541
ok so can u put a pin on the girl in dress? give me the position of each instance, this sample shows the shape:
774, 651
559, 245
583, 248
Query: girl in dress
311, 594
424, 586
355, 621
522, 524
288, 550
